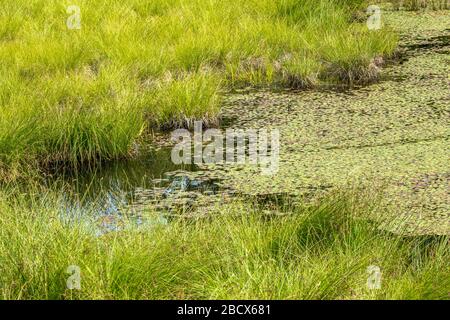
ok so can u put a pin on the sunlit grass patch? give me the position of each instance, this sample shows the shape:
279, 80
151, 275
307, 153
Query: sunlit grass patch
76, 95
310, 252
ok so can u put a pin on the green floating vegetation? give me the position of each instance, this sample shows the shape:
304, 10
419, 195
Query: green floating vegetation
325, 251
394, 133
83, 95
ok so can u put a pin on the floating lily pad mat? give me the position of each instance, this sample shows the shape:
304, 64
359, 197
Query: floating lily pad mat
394, 133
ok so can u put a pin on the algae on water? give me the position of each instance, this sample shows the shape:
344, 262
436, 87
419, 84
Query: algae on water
394, 133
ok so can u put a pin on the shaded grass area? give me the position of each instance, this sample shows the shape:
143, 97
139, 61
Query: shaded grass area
77, 96
310, 252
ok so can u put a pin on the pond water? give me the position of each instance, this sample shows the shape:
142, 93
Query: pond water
393, 132
141, 192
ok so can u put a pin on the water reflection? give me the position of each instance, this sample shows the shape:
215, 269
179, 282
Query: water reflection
138, 193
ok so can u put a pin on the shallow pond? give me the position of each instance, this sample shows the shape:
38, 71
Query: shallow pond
393, 133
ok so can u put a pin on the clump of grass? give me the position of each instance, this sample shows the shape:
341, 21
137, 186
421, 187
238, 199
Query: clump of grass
313, 252
71, 118
79, 96
172, 103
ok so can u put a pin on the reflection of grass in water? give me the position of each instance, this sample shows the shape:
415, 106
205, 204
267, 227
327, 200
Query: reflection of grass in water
125, 175
319, 252
83, 95
105, 189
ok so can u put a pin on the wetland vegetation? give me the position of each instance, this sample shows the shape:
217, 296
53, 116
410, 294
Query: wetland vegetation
310, 252
82, 95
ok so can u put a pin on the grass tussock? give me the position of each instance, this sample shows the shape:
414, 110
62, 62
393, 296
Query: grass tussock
320, 252
84, 95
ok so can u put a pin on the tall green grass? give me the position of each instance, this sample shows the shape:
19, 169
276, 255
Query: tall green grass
310, 252
85, 95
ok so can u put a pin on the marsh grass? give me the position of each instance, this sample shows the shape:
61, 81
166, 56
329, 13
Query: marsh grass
81, 96
314, 252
